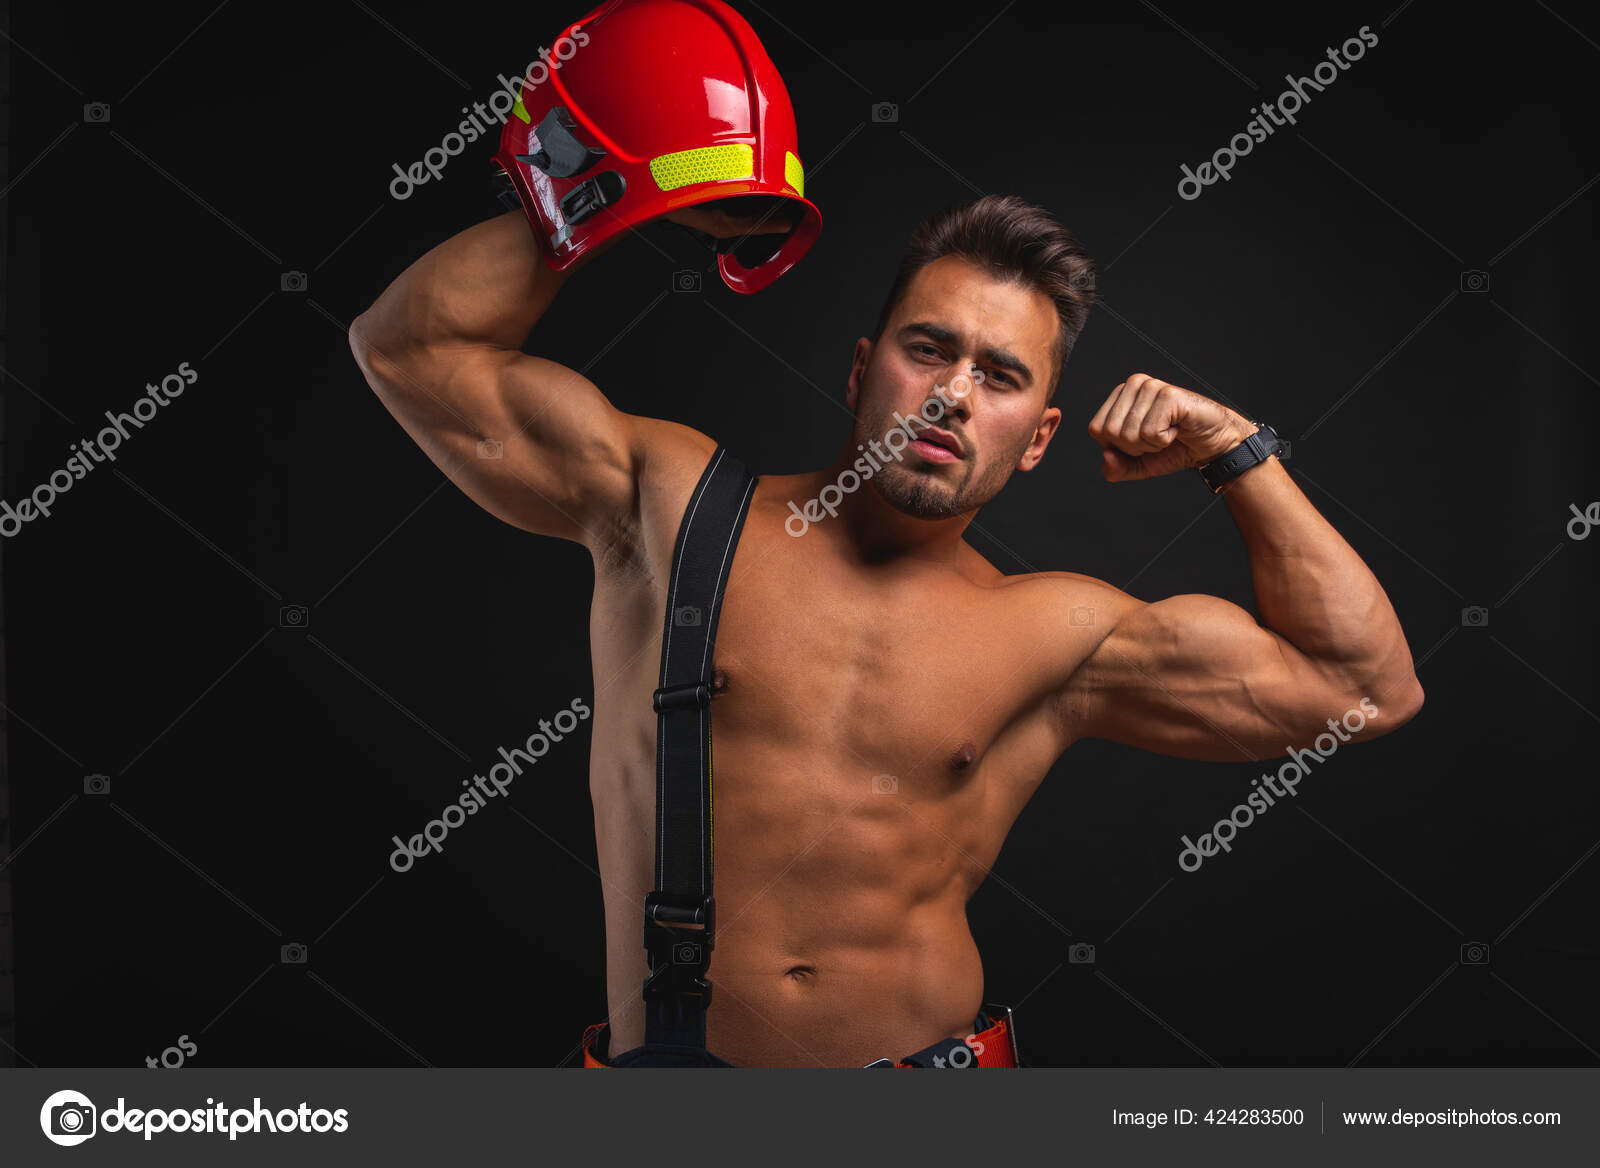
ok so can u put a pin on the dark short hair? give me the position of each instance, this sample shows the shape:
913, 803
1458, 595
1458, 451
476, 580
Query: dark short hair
1013, 240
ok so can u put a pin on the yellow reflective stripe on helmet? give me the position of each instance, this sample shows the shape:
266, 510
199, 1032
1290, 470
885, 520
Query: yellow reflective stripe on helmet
794, 174
703, 164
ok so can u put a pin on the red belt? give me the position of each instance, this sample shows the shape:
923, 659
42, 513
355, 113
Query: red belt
992, 1048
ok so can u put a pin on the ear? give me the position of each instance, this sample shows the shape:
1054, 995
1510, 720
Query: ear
858, 369
1048, 422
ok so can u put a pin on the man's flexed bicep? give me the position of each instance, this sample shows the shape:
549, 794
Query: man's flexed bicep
1197, 677
529, 440
532, 441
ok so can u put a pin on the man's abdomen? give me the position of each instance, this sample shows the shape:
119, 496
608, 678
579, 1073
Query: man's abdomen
843, 1004
841, 932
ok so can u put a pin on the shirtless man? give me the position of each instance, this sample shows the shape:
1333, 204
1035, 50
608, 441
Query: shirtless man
888, 700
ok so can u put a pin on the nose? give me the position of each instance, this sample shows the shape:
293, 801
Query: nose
954, 391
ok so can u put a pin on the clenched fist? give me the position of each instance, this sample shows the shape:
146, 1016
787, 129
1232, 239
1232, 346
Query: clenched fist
1151, 427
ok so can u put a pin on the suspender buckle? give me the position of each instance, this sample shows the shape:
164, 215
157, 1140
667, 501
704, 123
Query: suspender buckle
678, 955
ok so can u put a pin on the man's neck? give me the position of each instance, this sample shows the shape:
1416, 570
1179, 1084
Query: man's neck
875, 531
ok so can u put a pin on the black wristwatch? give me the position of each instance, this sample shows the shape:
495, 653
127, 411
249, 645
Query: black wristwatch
1257, 448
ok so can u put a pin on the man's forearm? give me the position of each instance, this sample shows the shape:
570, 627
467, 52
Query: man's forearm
486, 285
1312, 588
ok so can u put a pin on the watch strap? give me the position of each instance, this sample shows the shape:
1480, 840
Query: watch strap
1255, 449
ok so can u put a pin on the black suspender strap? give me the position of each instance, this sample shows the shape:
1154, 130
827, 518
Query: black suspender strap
676, 992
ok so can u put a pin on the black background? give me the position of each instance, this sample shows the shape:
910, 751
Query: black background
257, 772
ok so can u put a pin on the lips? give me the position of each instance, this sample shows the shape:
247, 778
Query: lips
934, 436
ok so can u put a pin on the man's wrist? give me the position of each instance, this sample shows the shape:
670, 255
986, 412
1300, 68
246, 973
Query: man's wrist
1235, 435
1258, 447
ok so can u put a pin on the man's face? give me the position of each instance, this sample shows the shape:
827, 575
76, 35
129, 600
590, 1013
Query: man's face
954, 323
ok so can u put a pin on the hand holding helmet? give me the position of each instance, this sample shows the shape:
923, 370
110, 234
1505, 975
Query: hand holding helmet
668, 106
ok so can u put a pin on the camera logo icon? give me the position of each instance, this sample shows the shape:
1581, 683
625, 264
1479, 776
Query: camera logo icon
97, 784
293, 616
67, 1118
687, 616
1081, 954
97, 112
885, 784
1081, 614
1474, 280
686, 280
1475, 953
885, 111
292, 282
491, 448
1474, 616
293, 953
687, 953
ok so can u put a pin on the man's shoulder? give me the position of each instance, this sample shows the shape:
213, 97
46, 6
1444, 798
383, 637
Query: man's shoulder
1070, 600
1070, 586
1069, 617
669, 450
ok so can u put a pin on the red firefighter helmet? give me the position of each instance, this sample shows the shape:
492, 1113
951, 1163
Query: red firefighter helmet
646, 106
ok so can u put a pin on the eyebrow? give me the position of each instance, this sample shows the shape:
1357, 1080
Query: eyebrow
1004, 358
